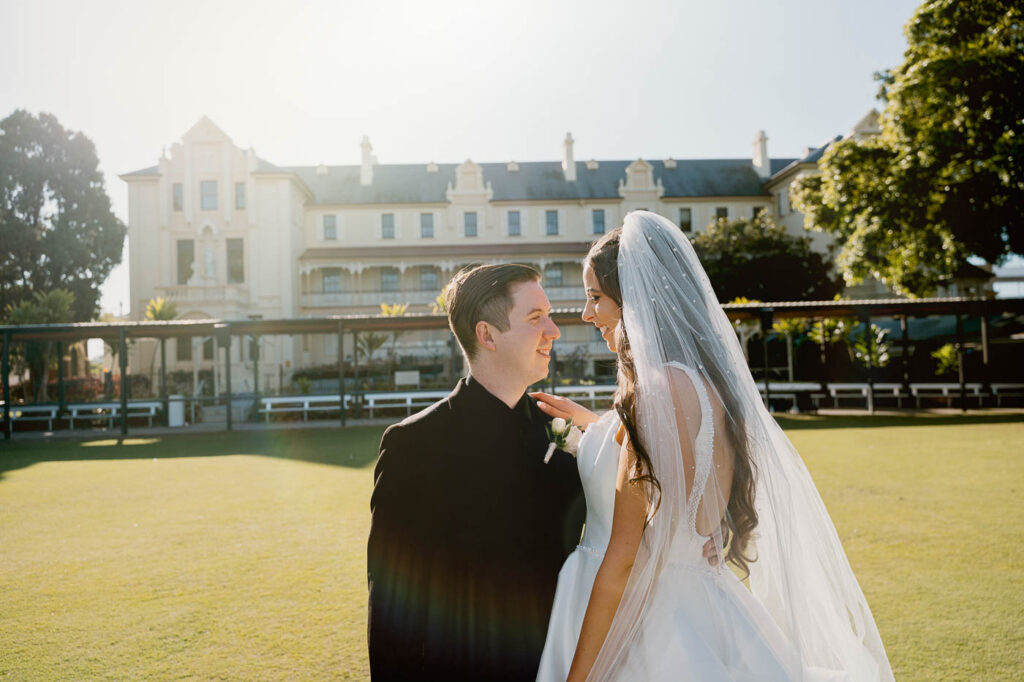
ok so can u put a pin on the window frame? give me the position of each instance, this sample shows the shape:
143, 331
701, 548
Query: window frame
548, 213
240, 243
466, 222
519, 223
212, 195
689, 219
334, 226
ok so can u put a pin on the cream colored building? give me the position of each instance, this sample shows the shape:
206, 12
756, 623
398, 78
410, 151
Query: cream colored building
225, 234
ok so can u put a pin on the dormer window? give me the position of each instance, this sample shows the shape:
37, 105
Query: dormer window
592, 165
512, 167
432, 167
670, 163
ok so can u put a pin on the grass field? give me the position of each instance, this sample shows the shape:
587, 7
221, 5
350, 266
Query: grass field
241, 556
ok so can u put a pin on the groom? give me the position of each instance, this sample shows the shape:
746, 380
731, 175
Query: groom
470, 526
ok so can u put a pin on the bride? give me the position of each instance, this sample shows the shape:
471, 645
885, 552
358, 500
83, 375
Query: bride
691, 453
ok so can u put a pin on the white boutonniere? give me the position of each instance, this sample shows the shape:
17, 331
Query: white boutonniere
564, 435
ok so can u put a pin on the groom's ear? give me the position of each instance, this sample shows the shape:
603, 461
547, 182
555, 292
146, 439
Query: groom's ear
485, 335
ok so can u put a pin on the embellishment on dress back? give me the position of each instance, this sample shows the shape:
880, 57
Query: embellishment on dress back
704, 445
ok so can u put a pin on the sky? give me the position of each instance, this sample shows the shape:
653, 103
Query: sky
446, 80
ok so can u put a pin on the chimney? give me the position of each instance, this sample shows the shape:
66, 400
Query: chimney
568, 161
761, 163
366, 168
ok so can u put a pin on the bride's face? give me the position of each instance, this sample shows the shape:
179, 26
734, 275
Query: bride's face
600, 310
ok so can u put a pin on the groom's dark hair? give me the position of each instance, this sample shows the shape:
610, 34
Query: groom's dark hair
483, 294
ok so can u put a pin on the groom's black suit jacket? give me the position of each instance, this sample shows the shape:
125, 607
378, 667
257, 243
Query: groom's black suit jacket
469, 531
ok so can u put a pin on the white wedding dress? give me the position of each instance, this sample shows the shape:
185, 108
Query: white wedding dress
707, 625
704, 426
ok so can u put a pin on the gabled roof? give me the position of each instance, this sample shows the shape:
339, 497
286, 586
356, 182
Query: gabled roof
152, 171
812, 157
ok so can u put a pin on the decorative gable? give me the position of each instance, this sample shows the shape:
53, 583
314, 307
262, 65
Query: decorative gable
640, 182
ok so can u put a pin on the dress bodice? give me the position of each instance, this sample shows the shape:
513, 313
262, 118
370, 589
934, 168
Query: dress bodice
597, 459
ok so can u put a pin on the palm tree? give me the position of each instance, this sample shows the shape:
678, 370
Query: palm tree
789, 328
159, 309
394, 310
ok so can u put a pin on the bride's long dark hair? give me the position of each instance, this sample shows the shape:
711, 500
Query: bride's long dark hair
741, 516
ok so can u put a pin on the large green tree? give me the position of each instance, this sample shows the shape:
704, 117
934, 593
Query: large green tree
57, 229
945, 179
757, 259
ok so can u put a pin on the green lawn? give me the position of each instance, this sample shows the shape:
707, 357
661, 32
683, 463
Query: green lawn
241, 556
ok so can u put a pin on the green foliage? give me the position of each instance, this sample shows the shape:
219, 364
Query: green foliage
368, 343
947, 359
755, 258
440, 304
790, 327
879, 350
51, 307
393, 310
945, 179
161, 309
56, 224
829, 331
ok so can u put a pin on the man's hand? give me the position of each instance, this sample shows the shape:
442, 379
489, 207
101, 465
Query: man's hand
557, 406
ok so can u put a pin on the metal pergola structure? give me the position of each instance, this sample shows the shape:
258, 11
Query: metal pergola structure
225, 330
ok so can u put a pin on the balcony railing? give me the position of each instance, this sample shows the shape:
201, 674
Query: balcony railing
230, 293
412, 297
367, 298
565, 293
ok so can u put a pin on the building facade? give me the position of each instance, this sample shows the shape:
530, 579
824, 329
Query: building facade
222, 233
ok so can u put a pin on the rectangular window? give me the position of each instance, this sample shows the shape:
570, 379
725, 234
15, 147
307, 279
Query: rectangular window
514, 225
551, 220
236, 262
240, 195
389, 279
332, 280
254, 348
330, 227
186, 259
387, 226
686, 219
177, 196
208, 195
553, 276
184, 348
721, 212
428, 279
469, 222
427, 225
756, 211
598, 221
208, 349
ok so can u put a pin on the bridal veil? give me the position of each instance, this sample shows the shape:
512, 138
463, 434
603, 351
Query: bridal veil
799, 573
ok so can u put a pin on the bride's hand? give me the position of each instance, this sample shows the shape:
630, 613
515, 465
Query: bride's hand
557, 406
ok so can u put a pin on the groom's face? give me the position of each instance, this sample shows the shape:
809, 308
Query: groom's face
524, 349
